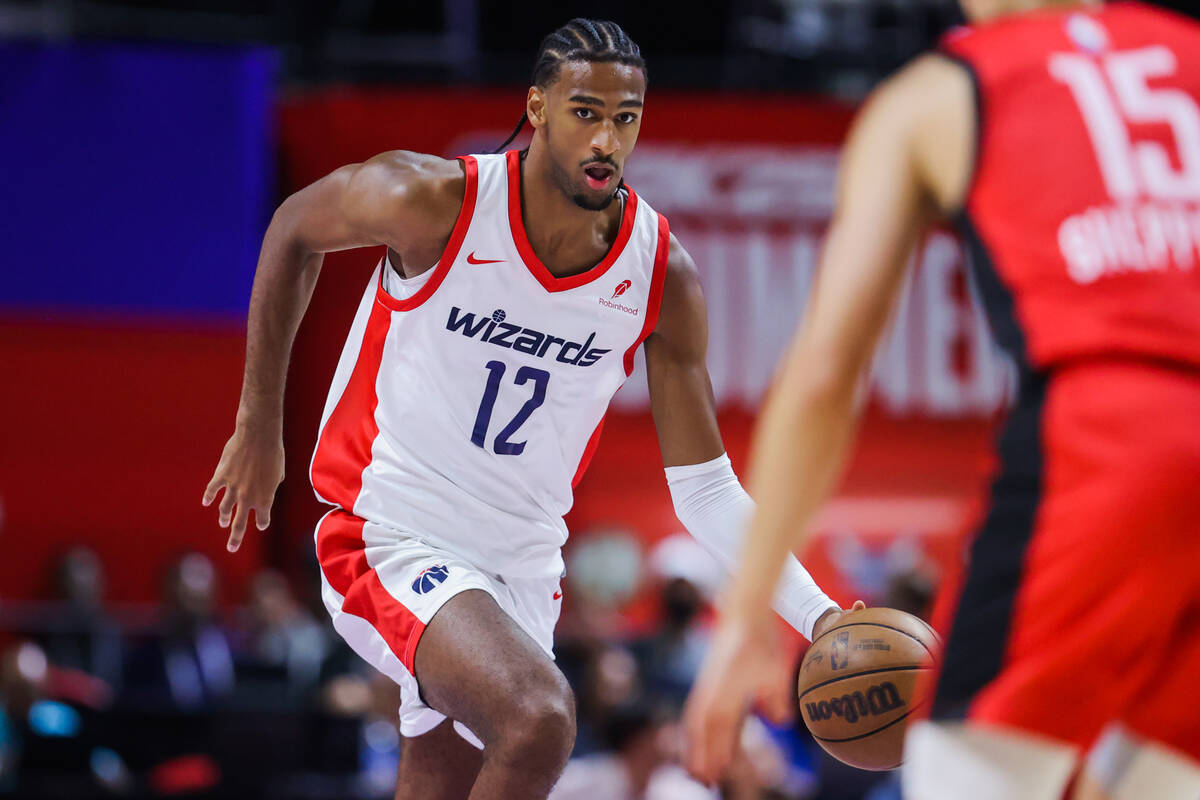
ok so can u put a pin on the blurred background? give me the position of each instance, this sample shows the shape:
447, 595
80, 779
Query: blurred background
143, 147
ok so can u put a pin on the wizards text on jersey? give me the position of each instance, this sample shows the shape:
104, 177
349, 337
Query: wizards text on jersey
493, 329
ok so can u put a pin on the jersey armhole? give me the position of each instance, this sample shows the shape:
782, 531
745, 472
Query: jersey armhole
461, 225
977, 150
654, 300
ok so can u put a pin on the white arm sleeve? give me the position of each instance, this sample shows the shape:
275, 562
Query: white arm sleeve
711, 503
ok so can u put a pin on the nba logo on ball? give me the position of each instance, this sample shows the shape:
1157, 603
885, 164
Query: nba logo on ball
429, 578
839, 651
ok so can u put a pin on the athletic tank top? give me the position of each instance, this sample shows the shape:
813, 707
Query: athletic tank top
464, 414
1083, 216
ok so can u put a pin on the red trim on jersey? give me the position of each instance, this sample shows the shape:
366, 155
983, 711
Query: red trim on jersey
656, 291
653, 304
534, 264
344, 447
342, 555
471, 172
588, 452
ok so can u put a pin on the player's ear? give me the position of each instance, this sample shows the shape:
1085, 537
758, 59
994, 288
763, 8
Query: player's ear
535, 107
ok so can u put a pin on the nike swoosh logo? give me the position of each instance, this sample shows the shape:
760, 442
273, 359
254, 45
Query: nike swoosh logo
471, 259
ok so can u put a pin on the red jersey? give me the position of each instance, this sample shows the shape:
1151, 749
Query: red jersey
1084, 211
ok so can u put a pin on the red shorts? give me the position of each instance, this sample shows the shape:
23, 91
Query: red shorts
1081, 602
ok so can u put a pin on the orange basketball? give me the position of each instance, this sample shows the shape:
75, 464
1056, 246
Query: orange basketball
861, 679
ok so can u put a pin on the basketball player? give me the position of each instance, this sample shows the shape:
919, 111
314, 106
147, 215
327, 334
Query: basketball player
1064, 140
515, 291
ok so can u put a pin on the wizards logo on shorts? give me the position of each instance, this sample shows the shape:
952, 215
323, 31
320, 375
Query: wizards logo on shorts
429, 578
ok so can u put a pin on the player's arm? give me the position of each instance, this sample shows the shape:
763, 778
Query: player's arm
393, 199
708, 498
908, 156
907, 160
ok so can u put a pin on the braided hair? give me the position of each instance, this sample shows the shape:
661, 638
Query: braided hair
598, 41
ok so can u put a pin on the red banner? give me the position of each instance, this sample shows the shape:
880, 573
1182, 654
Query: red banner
748, 186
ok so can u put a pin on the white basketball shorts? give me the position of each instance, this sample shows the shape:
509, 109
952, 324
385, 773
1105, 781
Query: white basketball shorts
381, 587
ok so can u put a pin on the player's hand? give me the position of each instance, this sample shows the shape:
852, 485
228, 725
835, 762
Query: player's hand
250, 470
740, 667
830, 618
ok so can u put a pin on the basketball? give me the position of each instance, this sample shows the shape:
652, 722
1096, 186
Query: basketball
861, 680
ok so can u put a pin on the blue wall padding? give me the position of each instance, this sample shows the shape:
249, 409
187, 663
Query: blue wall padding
133, 178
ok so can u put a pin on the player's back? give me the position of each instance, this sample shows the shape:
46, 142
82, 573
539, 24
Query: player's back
1084, 209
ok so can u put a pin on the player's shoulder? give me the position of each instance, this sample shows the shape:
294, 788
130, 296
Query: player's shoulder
408, 175
682, 274
929, 84
409, 186
920, 121
682, 311
917, 104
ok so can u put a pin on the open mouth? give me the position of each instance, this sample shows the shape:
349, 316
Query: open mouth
598, 175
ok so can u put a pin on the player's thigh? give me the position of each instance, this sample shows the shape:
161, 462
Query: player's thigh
957, 760
1055, 634
1107, 618
1127, 766
1079, 647
475, 664
438, 765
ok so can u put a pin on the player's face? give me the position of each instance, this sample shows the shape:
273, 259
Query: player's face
591, 116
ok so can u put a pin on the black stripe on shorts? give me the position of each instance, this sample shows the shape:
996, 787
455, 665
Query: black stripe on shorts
975, 647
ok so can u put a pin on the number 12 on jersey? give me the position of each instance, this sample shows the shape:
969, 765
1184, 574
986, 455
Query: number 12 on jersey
483, 419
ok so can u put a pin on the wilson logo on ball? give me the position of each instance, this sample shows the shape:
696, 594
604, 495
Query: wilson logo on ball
430, 578
877, 700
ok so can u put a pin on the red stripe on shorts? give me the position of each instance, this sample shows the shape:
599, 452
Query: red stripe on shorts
342, 555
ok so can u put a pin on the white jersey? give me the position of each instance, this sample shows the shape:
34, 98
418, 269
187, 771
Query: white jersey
464, 414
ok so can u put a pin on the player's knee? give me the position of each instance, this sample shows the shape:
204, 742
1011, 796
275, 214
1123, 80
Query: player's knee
541, 725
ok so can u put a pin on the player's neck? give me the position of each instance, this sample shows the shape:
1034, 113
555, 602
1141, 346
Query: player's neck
986, 10
566, 237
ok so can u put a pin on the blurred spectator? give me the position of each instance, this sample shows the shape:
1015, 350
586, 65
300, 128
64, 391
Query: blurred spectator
48, 748
79, 634
604, 677
23, 675
761, 768
284, 643
347, 693
379, 739
189, 664
636, 763
604, 567
912, 590
868, 562
670, 657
